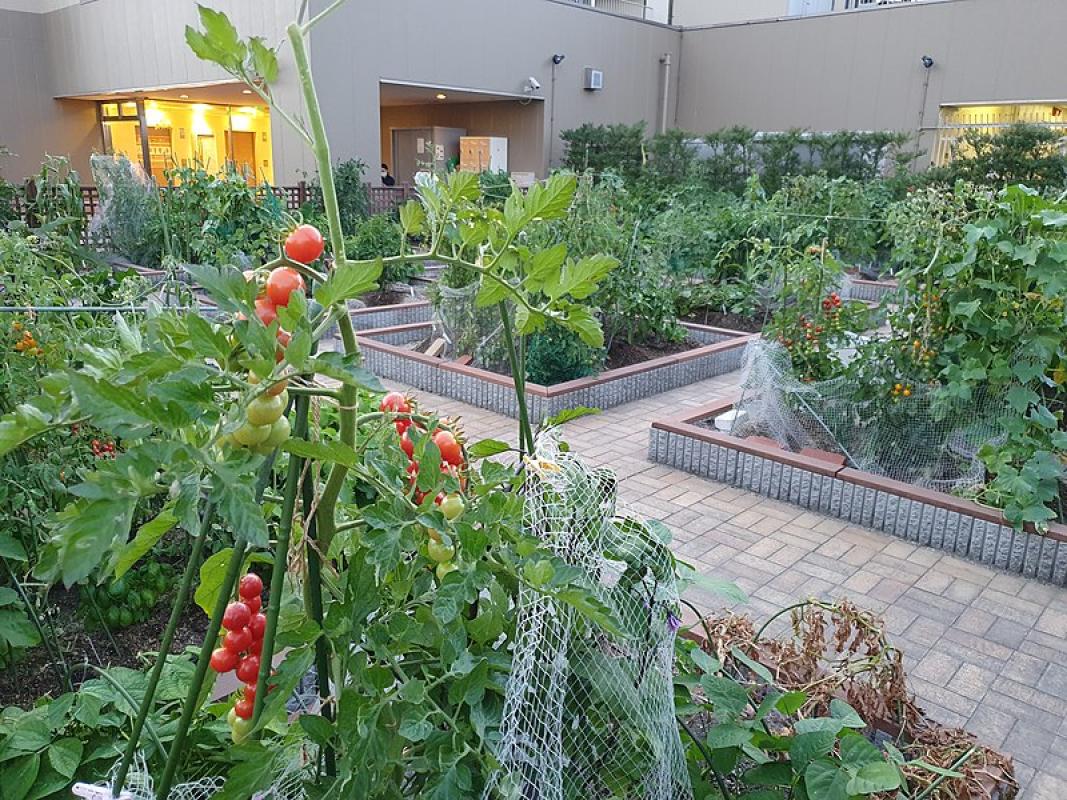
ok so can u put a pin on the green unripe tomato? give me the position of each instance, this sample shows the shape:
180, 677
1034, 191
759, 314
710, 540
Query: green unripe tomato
239, 729
117, 589
452, 506
265, 409
249, 435
279, 433
445, 568
440, 552
125, 617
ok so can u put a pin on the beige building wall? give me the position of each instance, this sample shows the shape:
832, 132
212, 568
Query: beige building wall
522, 125
488, 45
689, 13
861, 70
32, 123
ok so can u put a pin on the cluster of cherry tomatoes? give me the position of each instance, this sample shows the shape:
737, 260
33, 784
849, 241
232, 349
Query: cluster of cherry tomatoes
900, 390
241, 648
452, 462
831, 301
27, 344
105, 449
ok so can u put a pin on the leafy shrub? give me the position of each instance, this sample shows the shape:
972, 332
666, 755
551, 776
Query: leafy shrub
556, 355
1022, 153
129, 210
54, 199
605, 148
379, 236
353, 203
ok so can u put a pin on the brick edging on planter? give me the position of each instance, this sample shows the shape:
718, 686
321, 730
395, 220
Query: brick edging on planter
384, 353
389, 316
820, 482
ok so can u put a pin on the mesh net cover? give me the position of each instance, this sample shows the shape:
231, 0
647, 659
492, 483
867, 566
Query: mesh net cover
926, 439
588, 713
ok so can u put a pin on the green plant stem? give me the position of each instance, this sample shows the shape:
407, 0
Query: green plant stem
192, 698
313, 591
326, 514
526, 441
118, 687
707, 758
281, 557
64, 674
165, 643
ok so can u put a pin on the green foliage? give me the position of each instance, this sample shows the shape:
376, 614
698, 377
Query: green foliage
605, 148
379, 236
54, 199
1022, 153
555, 356
353, 203
17, 631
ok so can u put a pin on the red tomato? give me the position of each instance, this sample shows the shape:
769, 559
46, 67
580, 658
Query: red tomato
266, 311
257, 626
237, 616
237, 641
248, 669
254, 604
223, 660
402, 425
451, 452
256, 647
395, 402
281, 283
251, 586
250, 692
407, 445
243, 708
304, 244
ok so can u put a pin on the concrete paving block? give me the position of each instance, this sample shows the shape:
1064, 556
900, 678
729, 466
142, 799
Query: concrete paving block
792, 487
963, 535
1047, 560
1002, 556
775, 487
1033, 554
953, 523
731, 467
806, 480
837, 491
1017, 558
745, 471
914, 521
926, 524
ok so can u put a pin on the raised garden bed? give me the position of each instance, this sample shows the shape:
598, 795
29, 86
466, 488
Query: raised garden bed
857, 288
391, 315
821, 482
384, 352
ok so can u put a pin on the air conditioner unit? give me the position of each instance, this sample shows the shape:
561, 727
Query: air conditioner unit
594, 79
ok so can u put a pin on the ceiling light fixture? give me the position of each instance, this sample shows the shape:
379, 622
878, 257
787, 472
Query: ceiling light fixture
441, 96
183, 97
246, 91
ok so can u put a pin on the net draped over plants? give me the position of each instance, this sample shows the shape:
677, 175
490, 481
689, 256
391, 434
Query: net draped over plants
467, 328
589, 713
924, 439
128, 204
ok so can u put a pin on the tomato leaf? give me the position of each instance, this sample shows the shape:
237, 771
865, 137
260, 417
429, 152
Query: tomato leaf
146, 538
238, 507
226, 286
486, 448
348, 281
347, 369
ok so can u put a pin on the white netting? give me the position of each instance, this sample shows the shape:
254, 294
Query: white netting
289, 785
921, 438
128, 206
588, 713
467, 328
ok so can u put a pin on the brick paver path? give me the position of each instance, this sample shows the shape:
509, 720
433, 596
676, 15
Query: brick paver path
984, 650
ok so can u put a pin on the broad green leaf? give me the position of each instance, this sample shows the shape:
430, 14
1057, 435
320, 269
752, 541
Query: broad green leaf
237, 506
17, 776
486, 448
825, 780
333, 452
146, 538
728, 734
65, 756
581, 320
857, 751
807, 747
544, 266
253, 770
791, 702
538, 573
412, 217
551, 199
579, 279
348, 281
84, 534
206, 339
878, 776
115, 409
727, 697
347, 369
213, 573
760, 671
840, 710
11, 548
319, 729
264, 59
22, 424
226, 286
491, 292
16, 629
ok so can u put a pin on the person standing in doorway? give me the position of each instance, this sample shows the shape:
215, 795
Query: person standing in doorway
387, 179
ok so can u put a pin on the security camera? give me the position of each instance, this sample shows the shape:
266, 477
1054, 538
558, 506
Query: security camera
532, 84
557, 59
927, 62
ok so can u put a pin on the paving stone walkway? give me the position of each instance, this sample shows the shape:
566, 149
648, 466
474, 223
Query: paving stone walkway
984, 650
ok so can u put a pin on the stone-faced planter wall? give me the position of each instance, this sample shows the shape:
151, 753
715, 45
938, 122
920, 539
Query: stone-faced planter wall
868, 291
374, 317
821, 482
385, 354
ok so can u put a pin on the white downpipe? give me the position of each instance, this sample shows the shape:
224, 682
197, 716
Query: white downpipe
666, 62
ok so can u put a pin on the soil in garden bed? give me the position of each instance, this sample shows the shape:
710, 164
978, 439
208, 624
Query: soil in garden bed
624, 354
387, 297
33, 676
749, 323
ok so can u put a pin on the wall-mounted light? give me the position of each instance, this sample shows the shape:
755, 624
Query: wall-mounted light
557, 58
927, 61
